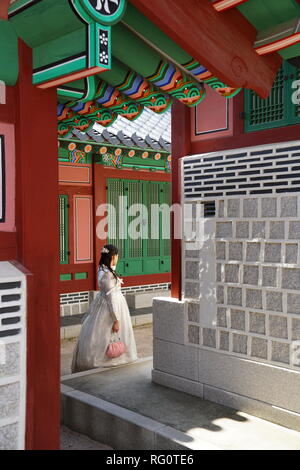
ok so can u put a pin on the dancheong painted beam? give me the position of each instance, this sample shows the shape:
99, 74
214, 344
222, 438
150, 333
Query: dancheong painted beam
278, 38
223, 5
229, 53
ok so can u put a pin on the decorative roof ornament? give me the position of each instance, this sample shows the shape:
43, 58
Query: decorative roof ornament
105, 12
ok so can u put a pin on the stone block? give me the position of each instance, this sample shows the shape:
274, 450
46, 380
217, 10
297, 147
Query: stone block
249, 378
9, 401
221, 250
278, 327
209, 337
250, 208
192, 290
295, 329
12, 360
84, 307
221, 317
239, 343
176, 359
251, 274
177, 383
269, 207
236, 251
257, 323
235, 296
280, 352
9, 437
194, 334
253, 252
75, 309
233, 208
220, 210
269, 276
289, 206
192, 270
274, 301
237, 320
168, 320
277, 231
291, 254
137, 300
220, 294
224, 230
192, 254
224, 340
67, 310
219, 272
193, 312
294, 230
254, 379
260, 409
242, 230
254, 298
259, 348
293, 303
291, 278
232, 273
272, 253
109, 423
259, 230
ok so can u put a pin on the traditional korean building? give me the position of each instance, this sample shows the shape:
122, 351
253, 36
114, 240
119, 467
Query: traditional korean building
70, 66
127, 159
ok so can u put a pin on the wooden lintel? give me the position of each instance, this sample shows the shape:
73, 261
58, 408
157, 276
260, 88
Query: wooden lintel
216, 41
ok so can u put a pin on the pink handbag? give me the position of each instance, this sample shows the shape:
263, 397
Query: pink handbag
115, 349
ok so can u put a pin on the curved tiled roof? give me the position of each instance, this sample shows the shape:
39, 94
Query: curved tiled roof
148, 131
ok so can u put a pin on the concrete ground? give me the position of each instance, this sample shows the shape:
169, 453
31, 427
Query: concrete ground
199, 423
71, 440
144, 342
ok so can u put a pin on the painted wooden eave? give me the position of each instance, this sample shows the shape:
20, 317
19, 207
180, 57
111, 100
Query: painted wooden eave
9, 69
280, 37
215, 40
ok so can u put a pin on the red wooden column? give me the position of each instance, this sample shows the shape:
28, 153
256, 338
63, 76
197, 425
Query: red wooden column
38, 251
181, 145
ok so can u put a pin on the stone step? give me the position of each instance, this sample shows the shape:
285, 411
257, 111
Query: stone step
122, 408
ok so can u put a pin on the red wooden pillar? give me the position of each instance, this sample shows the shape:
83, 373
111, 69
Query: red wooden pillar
181, 145
38, 251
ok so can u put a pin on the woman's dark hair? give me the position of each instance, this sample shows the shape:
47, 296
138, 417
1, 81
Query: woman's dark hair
106, 257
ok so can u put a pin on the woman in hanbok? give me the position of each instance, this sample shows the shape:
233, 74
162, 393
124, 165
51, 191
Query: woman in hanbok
107, 316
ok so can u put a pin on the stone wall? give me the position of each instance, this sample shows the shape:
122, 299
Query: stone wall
257, 281
235, 337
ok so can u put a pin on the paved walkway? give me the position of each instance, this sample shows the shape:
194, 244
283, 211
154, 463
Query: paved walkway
164, 417
71, 440
143, 338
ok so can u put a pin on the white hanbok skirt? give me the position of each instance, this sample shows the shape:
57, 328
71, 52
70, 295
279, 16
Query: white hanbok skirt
96, 334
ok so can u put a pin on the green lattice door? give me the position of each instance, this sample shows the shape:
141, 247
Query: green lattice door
63, 229
278, 109
148, 252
